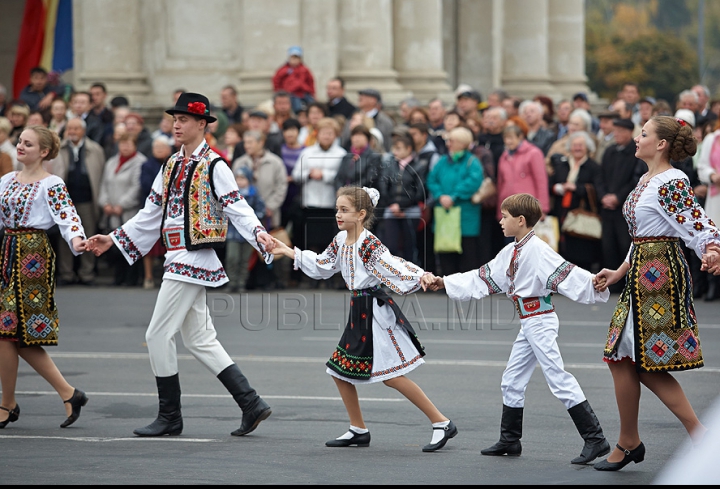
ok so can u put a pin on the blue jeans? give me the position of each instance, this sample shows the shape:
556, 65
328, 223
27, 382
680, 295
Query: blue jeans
299, 103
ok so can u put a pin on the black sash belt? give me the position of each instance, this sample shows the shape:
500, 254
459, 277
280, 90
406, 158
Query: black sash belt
353, 357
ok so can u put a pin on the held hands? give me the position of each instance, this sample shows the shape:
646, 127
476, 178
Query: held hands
430, 281
600, 284
268, 242
98, 244
79, 244
605, 278
711, 259
281, 249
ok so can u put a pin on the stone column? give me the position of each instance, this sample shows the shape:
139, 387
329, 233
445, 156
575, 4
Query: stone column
419, 48
566, 21
525, 48
269, 28
109, 46
320, 41
366, 49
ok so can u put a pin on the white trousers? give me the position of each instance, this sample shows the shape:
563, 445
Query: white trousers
537, 343
182, 307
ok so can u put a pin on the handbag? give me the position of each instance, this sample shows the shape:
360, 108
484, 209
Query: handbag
549, 231
487, 190
448, 231
281, 235
583, 223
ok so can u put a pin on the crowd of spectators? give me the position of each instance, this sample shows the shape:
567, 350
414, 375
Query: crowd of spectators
292, 153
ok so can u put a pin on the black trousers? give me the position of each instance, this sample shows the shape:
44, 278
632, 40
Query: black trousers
461, 262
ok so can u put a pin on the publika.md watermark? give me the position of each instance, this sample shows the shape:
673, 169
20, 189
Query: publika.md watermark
318, 311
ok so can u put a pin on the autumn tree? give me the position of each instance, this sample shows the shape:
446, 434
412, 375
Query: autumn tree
624, 44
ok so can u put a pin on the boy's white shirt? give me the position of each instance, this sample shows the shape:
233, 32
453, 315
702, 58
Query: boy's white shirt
537, 271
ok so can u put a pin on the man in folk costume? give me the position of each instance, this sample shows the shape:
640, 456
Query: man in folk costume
191, 200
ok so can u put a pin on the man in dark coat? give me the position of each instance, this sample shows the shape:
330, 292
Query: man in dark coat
337, 103
620, 172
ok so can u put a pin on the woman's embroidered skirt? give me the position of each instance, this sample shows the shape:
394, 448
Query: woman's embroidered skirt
378, 342
28, 313
654, 322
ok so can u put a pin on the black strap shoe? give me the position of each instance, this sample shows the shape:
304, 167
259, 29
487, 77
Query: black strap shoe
637, 455
77, 401
358, 440
13, 415
450, 431
169, 419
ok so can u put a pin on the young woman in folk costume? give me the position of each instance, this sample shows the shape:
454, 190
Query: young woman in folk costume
654, 330
379, 344
31, 202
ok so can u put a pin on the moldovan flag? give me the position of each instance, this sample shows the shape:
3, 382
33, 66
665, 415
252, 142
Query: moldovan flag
46, 40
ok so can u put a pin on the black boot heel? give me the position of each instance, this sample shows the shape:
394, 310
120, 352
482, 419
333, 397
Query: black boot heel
169, 419
77, 401
637, 456
589, 428
13, 415
510, 434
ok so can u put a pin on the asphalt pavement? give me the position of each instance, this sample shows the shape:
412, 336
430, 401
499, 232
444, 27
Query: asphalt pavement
281, 342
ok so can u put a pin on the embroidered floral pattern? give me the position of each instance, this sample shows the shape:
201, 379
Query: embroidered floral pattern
230, 198
398, 350
349, 365
486, 276
16, 203
370, 251
197, 273
559, 275
330, 254
630, 205
127, 245
58, 198
677, 199
155, 198
395, 271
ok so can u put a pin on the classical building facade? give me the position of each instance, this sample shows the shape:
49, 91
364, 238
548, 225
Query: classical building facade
147, 49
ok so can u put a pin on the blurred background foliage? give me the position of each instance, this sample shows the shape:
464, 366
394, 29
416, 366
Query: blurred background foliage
653, 43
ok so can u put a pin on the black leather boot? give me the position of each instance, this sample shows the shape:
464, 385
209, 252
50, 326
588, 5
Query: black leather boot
589, 428
253, 407
510, 434
169, 420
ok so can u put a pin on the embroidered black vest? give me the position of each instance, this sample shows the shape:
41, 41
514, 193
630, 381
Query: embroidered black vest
205, 224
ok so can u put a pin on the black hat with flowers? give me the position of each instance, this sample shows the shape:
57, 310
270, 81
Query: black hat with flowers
192, 104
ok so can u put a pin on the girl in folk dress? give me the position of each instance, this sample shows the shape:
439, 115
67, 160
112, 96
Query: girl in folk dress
378, 345
654, 330
32, 201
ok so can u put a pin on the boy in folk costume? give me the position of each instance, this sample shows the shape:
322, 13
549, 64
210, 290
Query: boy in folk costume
529, 271
189, 205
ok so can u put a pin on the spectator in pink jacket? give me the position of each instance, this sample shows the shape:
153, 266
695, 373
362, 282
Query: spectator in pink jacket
522, 169
296, 79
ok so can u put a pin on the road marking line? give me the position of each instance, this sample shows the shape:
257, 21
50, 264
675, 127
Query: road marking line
321, 360
211, 396
91, 439
597, 346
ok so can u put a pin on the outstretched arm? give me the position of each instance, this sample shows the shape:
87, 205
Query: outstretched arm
99, 244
